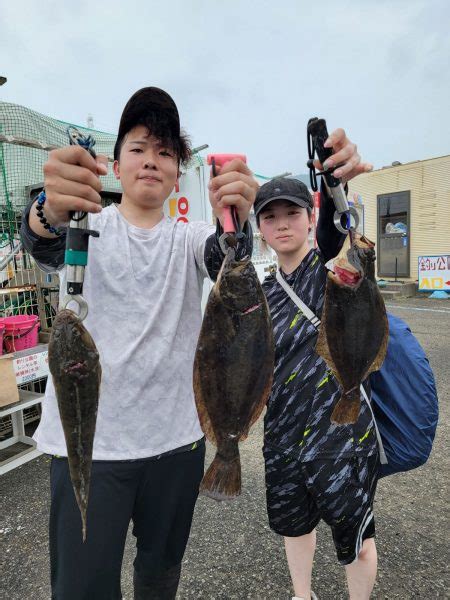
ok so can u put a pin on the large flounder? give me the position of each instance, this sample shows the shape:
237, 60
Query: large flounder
354, 328
233, 370
75, 366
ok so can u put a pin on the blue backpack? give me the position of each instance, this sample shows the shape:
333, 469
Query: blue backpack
404, 401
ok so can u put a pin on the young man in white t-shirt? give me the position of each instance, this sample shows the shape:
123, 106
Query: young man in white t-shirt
143, 285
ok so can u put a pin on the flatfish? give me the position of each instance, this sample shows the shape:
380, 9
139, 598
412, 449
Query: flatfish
75, 366
354, 328
233, 370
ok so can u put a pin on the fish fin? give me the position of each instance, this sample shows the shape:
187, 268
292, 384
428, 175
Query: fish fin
83, 505
269, 366
261, 404
81, 492
222, 480
203, 416
84, 524
347, 409
379, 359
322, 347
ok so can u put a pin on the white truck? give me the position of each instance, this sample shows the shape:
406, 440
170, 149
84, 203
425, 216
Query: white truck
190, 202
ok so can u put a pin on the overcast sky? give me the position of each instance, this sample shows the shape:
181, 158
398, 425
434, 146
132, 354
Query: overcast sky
246, 75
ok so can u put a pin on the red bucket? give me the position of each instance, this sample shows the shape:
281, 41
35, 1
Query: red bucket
2, 331
21, 332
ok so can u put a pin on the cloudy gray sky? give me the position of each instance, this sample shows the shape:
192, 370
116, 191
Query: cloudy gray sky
246, 75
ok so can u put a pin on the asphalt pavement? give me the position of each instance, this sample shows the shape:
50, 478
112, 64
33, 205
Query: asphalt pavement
232, 554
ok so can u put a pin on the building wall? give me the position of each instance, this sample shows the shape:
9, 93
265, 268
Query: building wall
429, 184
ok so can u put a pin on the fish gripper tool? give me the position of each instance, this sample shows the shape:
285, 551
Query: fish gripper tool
317, 134
77, 240
231, 227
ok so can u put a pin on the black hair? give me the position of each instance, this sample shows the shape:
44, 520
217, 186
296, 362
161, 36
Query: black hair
160, 126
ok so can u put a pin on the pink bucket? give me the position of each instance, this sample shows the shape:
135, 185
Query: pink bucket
2, 331
21, 332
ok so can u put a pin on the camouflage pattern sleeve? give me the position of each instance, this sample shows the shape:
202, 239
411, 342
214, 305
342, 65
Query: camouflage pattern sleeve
214, 255
329, 239
47, 252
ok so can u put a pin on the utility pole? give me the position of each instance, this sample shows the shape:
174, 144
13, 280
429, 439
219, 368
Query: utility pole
90, 121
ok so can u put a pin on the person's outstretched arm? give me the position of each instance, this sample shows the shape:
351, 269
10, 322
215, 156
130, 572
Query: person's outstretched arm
345, 154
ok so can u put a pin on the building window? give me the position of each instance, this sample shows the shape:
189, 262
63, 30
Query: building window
394, 234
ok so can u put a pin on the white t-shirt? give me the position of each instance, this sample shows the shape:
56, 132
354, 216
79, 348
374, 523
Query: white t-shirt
144, 289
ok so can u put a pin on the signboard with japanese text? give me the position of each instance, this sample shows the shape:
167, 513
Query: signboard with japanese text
31, 367
434, 273
20, 368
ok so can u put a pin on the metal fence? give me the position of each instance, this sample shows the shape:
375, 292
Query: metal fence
26, 137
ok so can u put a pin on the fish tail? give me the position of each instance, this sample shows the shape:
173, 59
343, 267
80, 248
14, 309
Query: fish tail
222, 480
82, 501
84, 524
82, 505
347, 409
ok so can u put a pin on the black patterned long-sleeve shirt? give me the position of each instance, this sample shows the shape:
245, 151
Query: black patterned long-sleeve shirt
304, 391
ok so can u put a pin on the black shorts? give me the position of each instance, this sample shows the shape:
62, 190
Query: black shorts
157, 494
339, 491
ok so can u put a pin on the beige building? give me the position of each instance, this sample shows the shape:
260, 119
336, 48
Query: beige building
406, 213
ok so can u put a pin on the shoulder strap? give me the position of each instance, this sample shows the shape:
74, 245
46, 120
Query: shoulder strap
316, 322
383, 457
293, 296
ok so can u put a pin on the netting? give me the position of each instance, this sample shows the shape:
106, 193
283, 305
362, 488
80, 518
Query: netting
24, 289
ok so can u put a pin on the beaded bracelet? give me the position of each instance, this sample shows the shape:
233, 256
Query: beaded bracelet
40, 212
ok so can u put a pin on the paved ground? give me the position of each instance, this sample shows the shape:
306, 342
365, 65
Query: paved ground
233, 555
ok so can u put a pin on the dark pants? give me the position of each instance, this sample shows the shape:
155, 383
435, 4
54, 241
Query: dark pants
158, 495
340, 491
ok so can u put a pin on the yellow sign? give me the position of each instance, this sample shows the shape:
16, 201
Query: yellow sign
432, 283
